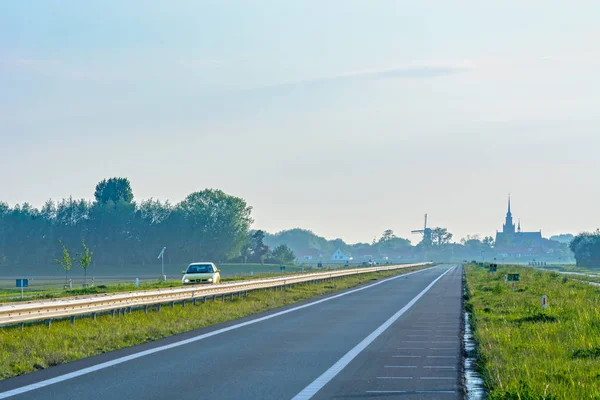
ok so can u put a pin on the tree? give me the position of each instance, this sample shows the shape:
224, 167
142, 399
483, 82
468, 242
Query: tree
65, 262
84, 259
387, 235
283, 254
440, 236
488, 241
259, 249
115, 190
216, 224
586, 247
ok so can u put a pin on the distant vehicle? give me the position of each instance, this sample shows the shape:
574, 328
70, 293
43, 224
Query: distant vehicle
372, 262
201, 272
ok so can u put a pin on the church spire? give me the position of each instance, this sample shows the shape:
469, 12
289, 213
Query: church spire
509, 226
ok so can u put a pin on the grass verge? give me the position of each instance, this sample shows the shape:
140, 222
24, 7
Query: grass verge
38, 347
525, 352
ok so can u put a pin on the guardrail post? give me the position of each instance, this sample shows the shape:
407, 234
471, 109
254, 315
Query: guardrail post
214, 297
93, 316
182, 303
223, 298
204, 299
158, 308
128, 310
194, 301
72, 320
123, 311
146, 309
231, 296
245, 293
112, 313
21, 326
48, 322
172, 304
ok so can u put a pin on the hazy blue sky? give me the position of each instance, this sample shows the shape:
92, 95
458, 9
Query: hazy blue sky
345, 117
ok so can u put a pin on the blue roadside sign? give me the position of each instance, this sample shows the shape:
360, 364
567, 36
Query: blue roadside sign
22, 283
282, 268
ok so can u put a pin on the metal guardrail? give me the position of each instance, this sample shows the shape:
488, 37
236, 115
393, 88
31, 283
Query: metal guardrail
15, 313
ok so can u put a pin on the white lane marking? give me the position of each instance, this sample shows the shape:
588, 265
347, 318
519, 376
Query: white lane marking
406, 356
399, 366
394, 377
414, 391
134, 356
410, 348
438, 367
436, 378
429, 336
443, 348
441, 356
335, 369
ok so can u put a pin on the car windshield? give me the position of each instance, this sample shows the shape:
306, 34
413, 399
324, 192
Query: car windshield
199, 269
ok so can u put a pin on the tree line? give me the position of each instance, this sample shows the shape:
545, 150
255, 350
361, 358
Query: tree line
208, 224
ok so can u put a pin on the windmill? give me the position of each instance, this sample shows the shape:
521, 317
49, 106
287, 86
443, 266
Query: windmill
426, 232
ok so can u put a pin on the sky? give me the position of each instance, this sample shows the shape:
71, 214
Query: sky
341, 116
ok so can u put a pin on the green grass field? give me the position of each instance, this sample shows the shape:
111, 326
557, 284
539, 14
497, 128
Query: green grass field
529, 353
38, 347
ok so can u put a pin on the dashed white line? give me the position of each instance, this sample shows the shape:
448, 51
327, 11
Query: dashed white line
435, 378
399, 366
441, 356
395, 377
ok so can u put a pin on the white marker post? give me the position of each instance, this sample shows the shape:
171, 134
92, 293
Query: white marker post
162, 257
137, 282
544, 302
505, 278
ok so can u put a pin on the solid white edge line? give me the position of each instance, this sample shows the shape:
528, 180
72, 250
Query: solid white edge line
309, 391
84, 371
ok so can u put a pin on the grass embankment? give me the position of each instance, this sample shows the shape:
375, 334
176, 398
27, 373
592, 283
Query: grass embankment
38, 347
527, 353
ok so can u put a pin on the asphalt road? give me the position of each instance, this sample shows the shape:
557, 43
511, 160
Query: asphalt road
416, 353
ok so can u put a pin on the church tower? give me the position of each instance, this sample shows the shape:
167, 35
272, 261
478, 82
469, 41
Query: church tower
509, 226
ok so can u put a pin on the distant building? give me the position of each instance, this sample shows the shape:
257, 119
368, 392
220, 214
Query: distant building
339, 255
309, 255
515, 243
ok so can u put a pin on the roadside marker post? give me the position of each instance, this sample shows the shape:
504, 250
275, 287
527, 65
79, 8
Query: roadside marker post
505, 278
22, 283
161, 255
544, 302
137, 282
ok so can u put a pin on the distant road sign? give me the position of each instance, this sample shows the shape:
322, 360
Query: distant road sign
513, 277
22, 283
493, 267
282, 268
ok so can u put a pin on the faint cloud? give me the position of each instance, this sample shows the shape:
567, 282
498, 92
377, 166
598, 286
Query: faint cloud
408, 71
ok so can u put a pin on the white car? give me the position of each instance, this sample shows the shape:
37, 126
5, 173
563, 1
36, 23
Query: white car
201, 272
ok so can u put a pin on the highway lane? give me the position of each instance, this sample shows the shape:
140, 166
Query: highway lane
418, 357
275, 358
